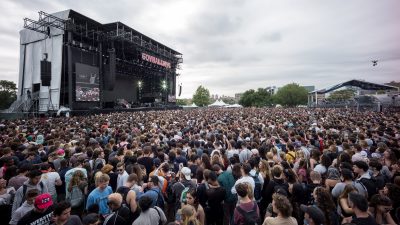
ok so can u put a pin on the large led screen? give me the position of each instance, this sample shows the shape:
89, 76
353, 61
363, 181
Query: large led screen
87, 83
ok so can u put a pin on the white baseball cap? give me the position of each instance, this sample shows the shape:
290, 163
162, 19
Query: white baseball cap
186, 172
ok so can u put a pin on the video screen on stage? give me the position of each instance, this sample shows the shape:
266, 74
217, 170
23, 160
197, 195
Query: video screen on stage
87, 88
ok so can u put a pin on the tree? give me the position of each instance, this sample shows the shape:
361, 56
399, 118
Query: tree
228, 100
344, 94
201, 97
8, 93
183, 101
291, 95
259, 98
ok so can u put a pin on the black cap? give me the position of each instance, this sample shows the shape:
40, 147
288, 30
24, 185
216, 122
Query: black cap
315, 213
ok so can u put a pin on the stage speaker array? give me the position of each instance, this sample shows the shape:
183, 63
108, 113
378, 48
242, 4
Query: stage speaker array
45, 72
109, 79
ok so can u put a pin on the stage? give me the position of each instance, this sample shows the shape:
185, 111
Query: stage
68, 60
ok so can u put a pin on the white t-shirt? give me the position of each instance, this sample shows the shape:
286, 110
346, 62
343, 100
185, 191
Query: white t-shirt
320, 169
246, 179
49, 180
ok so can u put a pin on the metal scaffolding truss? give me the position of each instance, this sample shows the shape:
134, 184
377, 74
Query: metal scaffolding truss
121, 34
44, 23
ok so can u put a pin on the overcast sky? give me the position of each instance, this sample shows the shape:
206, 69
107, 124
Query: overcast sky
230, 46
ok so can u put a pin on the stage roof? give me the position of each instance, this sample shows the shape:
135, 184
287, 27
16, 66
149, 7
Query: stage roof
93, 24
355, 83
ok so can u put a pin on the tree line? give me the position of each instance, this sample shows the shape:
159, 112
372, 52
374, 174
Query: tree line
289, 95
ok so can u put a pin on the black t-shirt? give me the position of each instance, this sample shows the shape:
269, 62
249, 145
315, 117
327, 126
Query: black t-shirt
113, 181
147, 162
193, 169
215, 197
72, 220
36, 218
363, 221
121, 216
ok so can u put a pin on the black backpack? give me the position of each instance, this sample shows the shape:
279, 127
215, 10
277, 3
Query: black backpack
124, 192
250, 217
370, 185
257, 187
25, 188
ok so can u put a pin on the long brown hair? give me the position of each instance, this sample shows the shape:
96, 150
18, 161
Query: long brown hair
76, 179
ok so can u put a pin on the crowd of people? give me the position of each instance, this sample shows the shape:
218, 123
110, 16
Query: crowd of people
202, 167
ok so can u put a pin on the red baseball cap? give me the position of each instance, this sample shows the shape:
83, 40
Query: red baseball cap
43, 201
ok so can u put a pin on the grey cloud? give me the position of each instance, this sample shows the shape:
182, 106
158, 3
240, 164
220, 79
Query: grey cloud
230, 46
270, 37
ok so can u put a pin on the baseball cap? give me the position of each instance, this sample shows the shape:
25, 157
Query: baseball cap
157, 162
254, 152
61, 153
186, 172
315, 213
43, 201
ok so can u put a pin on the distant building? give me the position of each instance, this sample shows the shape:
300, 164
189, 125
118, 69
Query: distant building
309, 88
238, 96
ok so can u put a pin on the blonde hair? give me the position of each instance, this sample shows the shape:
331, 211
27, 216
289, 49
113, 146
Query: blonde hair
189, 215
300, 154
270, 155
102, 178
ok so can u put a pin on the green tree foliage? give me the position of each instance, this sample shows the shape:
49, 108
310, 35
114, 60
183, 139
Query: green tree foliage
183, 101
8, 93
259, 98
229, 100
291, 95
344, 94
201, 97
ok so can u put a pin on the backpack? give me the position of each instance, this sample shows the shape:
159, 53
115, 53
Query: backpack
25, 188
250, 217
369, 185
278, 186
76, 197
169, 195
257, 187
160, 200
184, 194
124, 192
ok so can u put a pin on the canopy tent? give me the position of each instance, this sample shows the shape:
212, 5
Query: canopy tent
313, 95
218, 103
234, 106
192, 106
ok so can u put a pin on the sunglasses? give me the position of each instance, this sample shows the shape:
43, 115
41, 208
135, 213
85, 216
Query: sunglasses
119, 170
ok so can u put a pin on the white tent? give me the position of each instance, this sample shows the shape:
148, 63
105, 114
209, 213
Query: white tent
234, 106
218, 103
192, 106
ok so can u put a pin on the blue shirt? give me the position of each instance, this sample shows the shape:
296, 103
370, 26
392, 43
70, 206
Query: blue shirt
100, 198
153, 194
